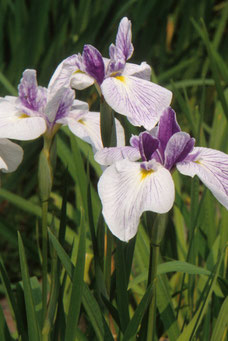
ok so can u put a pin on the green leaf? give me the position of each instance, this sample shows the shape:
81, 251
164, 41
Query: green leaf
33, 326
10, 298
108, 127
221, 322
121, 285
77, 287
65, 260
134, 323
166, 309
4, 331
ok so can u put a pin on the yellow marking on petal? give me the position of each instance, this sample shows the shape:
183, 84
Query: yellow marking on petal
121, 78
77, 71
145, 173
23, 115
198, 161
81, 121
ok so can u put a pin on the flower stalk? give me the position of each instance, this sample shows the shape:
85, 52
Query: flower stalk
45, 177
156, 235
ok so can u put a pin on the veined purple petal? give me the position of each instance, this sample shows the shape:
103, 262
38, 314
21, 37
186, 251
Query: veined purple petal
31, 96
177, 149
60, 104
141, 101
123, 38
117, 61
134, 141
147, 145
211, 166
93, 62
167, 127
126, 191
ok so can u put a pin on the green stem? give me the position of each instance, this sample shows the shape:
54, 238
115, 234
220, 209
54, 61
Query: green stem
152, 278
156, 234
108, 261
44, 257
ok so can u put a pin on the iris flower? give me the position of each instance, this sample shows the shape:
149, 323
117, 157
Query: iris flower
125, 87
38, 110
127, 188
10, 155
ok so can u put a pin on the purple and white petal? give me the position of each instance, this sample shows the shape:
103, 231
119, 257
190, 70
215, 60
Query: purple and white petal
123, 38
31, 95
70, 73
126, 191
211, 166
108, 156
177, 149
141, 71
141, 101
167, 126
16, 124
94, 64
11, 155
59, 105
147, 145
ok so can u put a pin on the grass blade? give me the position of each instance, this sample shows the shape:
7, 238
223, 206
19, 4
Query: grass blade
33, 327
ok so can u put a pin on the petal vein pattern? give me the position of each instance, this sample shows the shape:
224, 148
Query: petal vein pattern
126, 193
211, 166
142, 101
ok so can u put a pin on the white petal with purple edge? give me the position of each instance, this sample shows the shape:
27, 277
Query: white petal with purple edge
126, 191
211, 166
141, 101
17, 125
108, 156
10, 155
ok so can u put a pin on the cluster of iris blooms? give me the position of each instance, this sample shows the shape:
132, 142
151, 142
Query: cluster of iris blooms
136, 178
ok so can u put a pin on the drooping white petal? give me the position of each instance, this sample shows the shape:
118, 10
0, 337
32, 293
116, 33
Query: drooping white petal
126, 191
211, 166
69, 73
141, 71
10, 155
86, 125
141, 101
108, 156
81, 80
17, 124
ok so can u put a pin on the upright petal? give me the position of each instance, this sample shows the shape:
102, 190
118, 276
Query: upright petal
11, 155
31, 95
141, 101
123, 38
177, 149
126, 191
167, 126
147, 146
16, 124
211, 166
93, 62
59, 105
